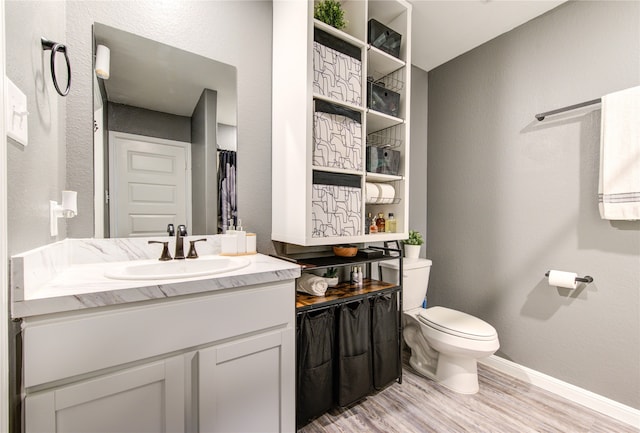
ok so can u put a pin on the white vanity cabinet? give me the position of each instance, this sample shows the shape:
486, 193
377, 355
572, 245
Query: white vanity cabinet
251, 377
148, 398
222, 361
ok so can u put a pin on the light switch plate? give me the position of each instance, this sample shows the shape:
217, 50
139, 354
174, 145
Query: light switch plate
17, 114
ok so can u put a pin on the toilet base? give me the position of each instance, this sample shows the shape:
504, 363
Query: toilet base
455, 373
458, 374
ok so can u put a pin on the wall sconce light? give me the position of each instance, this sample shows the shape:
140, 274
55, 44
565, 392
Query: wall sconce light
68, 209
103, 58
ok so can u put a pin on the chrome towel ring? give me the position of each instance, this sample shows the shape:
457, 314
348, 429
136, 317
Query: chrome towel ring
56, 47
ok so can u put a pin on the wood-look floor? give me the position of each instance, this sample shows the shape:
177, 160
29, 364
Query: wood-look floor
503, 405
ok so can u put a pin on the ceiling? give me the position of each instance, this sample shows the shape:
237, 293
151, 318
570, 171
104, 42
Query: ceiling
442, 30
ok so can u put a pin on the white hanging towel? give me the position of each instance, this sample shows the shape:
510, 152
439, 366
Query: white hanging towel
619, 189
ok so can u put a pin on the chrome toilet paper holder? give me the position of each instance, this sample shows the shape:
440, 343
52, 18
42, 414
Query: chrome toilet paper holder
586, 279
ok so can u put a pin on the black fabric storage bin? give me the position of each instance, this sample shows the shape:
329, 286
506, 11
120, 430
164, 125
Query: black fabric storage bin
315, 364
354, 379
382, 37
384, 335
381, 99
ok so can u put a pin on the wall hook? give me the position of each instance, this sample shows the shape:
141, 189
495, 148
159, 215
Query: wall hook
55, 48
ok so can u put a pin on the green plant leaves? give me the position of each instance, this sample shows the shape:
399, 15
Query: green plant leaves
330, 12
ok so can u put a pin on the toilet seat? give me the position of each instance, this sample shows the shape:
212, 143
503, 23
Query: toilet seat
457, 323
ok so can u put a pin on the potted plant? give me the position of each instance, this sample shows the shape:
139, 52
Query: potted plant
331, 275
330, 12
413, 244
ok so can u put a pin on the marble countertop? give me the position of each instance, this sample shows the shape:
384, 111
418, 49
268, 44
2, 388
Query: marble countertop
50, 280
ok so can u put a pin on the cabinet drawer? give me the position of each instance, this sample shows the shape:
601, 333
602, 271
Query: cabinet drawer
56, 349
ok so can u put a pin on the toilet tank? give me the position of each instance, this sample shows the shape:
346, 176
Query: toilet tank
415, 279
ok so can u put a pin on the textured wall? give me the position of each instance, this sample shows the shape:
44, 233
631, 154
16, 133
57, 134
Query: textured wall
237, 33
418, 159
35, 173
139, 121
510, 198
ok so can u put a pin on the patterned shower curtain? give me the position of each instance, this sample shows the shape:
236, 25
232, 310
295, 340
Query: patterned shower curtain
227, 194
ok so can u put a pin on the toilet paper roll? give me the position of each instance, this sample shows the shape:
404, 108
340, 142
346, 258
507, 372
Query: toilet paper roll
562, 279
387, 193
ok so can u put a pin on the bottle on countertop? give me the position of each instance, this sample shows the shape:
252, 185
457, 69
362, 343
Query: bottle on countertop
241, 236
391, 224
380, 222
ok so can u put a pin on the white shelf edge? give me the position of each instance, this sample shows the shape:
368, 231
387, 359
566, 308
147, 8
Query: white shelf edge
337, 170
385, 61
338, 33
355, 107
379, 121
381, 177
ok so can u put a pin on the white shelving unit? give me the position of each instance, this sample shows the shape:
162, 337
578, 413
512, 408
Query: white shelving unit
293, 118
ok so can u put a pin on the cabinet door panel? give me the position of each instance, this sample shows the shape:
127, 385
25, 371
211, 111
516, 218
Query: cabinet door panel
149, 398
245, 386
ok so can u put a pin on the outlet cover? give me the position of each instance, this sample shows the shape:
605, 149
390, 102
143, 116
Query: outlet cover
17, 114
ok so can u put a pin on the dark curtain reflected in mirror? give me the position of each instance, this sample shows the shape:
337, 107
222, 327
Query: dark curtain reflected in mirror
227, 198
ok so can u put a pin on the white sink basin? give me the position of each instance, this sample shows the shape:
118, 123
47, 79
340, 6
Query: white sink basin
187, 268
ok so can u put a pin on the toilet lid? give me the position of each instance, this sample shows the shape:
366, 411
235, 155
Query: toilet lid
457, 323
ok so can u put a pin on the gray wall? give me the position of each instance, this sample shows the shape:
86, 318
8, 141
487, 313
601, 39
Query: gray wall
35, 173
418, 158
510, 198
140, 121
204, 158
237, 33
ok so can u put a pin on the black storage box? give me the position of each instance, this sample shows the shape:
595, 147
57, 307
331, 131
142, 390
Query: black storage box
382, 37
381, 160
369, 253
381, 99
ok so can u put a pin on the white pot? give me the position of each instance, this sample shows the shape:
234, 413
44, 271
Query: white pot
412, 251
332, 282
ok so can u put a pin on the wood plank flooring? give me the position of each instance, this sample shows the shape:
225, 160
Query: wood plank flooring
503, 405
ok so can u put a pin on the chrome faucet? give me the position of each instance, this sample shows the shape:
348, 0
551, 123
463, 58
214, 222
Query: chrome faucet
180, 233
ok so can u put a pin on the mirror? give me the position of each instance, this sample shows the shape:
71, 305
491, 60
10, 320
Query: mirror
161, 110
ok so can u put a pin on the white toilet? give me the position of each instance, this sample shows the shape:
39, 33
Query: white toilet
445, 343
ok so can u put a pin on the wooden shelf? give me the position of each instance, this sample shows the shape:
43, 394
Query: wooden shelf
340, 293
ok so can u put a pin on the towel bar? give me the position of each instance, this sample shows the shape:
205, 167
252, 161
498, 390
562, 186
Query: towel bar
541, 116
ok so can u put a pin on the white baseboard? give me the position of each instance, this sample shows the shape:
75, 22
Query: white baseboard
606, 406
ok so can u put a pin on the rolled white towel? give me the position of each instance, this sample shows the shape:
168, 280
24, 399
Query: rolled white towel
312, 284
372, 191
387, 193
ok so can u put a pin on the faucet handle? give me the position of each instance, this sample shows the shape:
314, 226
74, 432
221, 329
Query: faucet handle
182, 229
193, 254
165, 250
171, 230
